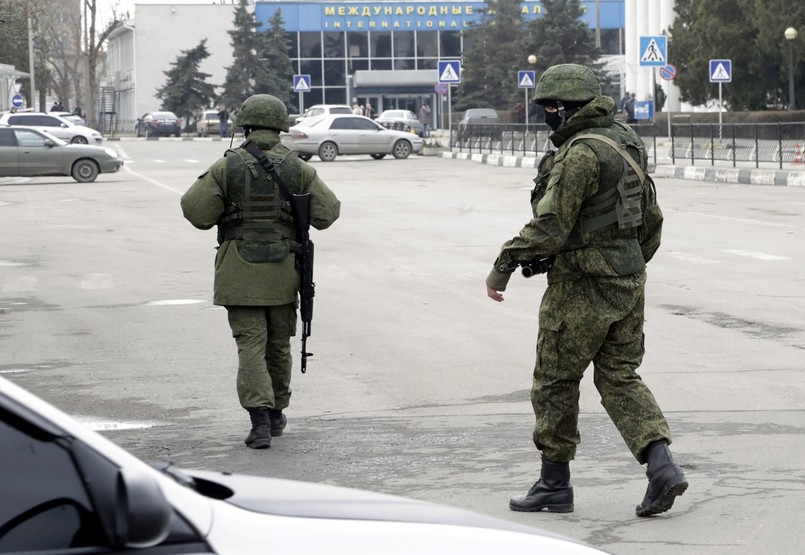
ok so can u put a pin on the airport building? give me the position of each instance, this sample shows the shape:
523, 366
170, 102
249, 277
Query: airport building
382, 52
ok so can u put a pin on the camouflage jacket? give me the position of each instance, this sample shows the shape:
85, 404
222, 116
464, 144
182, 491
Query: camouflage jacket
565, 180
238, 282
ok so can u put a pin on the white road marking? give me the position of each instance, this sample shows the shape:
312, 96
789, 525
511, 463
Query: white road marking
152, 181
97, 281
689, 257
757, 255
20, 284
172, 302
99, 425
732, 219
159, 161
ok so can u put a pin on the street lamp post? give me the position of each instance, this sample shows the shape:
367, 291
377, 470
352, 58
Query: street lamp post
791, 35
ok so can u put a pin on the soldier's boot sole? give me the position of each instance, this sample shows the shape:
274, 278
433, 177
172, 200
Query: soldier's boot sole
673, 489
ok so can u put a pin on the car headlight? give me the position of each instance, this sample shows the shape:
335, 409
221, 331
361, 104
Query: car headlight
111, 152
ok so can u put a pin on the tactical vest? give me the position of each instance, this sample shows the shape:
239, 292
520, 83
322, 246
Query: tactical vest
256, 215
617, 205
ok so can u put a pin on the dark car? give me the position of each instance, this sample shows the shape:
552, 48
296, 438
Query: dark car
67, 490
30, 152
156, 124
479, 122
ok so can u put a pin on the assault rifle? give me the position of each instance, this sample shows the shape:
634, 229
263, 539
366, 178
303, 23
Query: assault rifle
300, 206
534, 267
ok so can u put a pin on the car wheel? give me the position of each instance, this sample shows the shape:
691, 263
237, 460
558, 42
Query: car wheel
85, 171
79, 140
328, 151
137, 130
378, 156
305, 157
147, 132
402, 149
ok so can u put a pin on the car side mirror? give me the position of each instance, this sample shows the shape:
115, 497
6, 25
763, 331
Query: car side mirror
143, 517
49, 143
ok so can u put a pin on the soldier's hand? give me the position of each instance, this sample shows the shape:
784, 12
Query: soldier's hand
494, 295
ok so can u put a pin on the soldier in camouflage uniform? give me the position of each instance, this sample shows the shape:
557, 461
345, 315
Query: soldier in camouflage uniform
256, 278
589, 221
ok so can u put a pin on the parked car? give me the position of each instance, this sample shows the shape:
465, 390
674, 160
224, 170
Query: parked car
402, 120
329, 136
155, 124
322, 110
209, 123
26, 151
69, 116
55, 125
67, 489
479, 122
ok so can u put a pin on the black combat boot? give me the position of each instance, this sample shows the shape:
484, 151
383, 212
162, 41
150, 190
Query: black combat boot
260, 435
665, 480
552, 491
278, 421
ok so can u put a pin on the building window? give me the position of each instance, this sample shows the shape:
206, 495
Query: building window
450, 44
427, 45
404, 45
380, 45
404, 63
310, 45
381, 64
293, 42
334, 74
358, 44
334, 45
312, 68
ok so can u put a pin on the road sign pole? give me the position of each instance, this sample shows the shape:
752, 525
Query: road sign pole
720, 110
450, 115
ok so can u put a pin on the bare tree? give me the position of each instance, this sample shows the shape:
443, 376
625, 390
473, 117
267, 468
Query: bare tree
93, 48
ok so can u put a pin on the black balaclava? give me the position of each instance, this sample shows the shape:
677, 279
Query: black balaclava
564, 111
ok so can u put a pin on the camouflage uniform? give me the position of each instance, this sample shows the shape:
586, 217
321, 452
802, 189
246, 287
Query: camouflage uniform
592, 310
587, 214
255, 274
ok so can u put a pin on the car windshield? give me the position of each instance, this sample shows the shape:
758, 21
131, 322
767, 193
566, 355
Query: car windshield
341, 110
393, 114
481, 113
165, 115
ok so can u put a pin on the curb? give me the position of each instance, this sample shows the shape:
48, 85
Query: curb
740, 176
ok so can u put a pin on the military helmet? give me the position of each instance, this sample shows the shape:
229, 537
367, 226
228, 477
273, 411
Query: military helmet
263, 110
567, 82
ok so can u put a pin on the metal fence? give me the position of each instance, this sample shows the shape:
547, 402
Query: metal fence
734, 143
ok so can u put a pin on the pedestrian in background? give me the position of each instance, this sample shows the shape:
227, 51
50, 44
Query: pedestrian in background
368, 111
425, 117
256, 276
357, 110
223, 121
594, 239
630, 105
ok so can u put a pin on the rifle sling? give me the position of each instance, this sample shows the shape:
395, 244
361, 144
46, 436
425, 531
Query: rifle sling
255, 151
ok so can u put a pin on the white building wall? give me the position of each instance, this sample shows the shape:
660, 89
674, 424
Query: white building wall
165, 30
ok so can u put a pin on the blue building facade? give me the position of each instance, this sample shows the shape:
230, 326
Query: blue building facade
387, 53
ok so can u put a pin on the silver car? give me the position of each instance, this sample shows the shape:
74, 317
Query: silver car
334, 135
25, 151
55, 125
403, 120
67, 490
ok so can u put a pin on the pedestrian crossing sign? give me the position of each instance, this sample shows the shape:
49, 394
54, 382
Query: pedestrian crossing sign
654, 51
720, 71
449, 71
301, 83
526, 79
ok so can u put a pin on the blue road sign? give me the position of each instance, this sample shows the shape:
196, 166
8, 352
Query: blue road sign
654, 51
17, 101
644, 109
449, 71
526, 79
301, 83
720, 71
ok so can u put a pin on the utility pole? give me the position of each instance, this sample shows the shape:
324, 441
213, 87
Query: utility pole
31, 61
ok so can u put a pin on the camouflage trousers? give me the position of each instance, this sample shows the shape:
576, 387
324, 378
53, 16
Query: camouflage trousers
598, 320
263, 336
